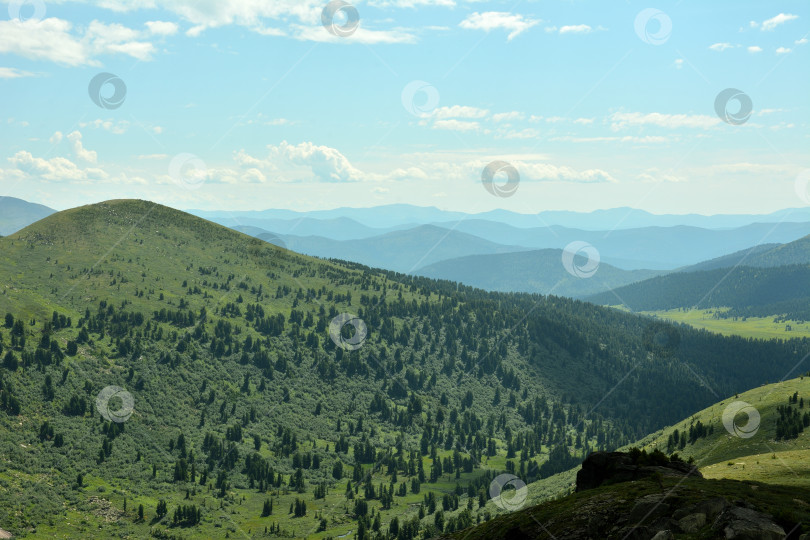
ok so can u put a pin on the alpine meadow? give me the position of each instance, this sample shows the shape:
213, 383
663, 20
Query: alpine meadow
404, 270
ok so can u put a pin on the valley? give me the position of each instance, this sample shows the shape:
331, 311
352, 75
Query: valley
226, 358
404, 270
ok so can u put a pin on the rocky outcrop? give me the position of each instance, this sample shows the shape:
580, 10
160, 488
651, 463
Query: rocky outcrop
612, 467
739, 523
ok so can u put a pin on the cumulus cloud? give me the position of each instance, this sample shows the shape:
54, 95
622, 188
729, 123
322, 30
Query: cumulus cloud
773, 22
621, 120
575, 29
361, 35
55, 40
81, 152
162, 28
456, 125
655, 175
754, 49
326, 164
508, 116
720, 47
299, 19
493, 20
459, 111
117, 127
545, 172
54, 169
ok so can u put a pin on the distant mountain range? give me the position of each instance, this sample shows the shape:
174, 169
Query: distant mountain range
398, 215
16, 214
398, 237
506, 251
469, 253
402, 251
538, 271
768, 280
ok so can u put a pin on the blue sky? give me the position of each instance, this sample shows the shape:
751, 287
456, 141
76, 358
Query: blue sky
256, 104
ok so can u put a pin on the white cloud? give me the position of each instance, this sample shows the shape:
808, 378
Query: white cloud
55, 40
540, 172
720, 47
162, 28
647, 139
361, 35
679, 63
773, 22
326, 164
673, 121
492, 20
459, 111
13, 73
117, 127
528, 133
783, 50
802, 41
655, 176
56, 138
54, 169
456, 125
78, 148
575, 29
754, 49
508, 116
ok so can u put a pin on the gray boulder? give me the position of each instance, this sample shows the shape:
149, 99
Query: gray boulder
746, 524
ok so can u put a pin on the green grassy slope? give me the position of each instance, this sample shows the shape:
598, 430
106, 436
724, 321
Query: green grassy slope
768, 470
482, 383
765, 456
